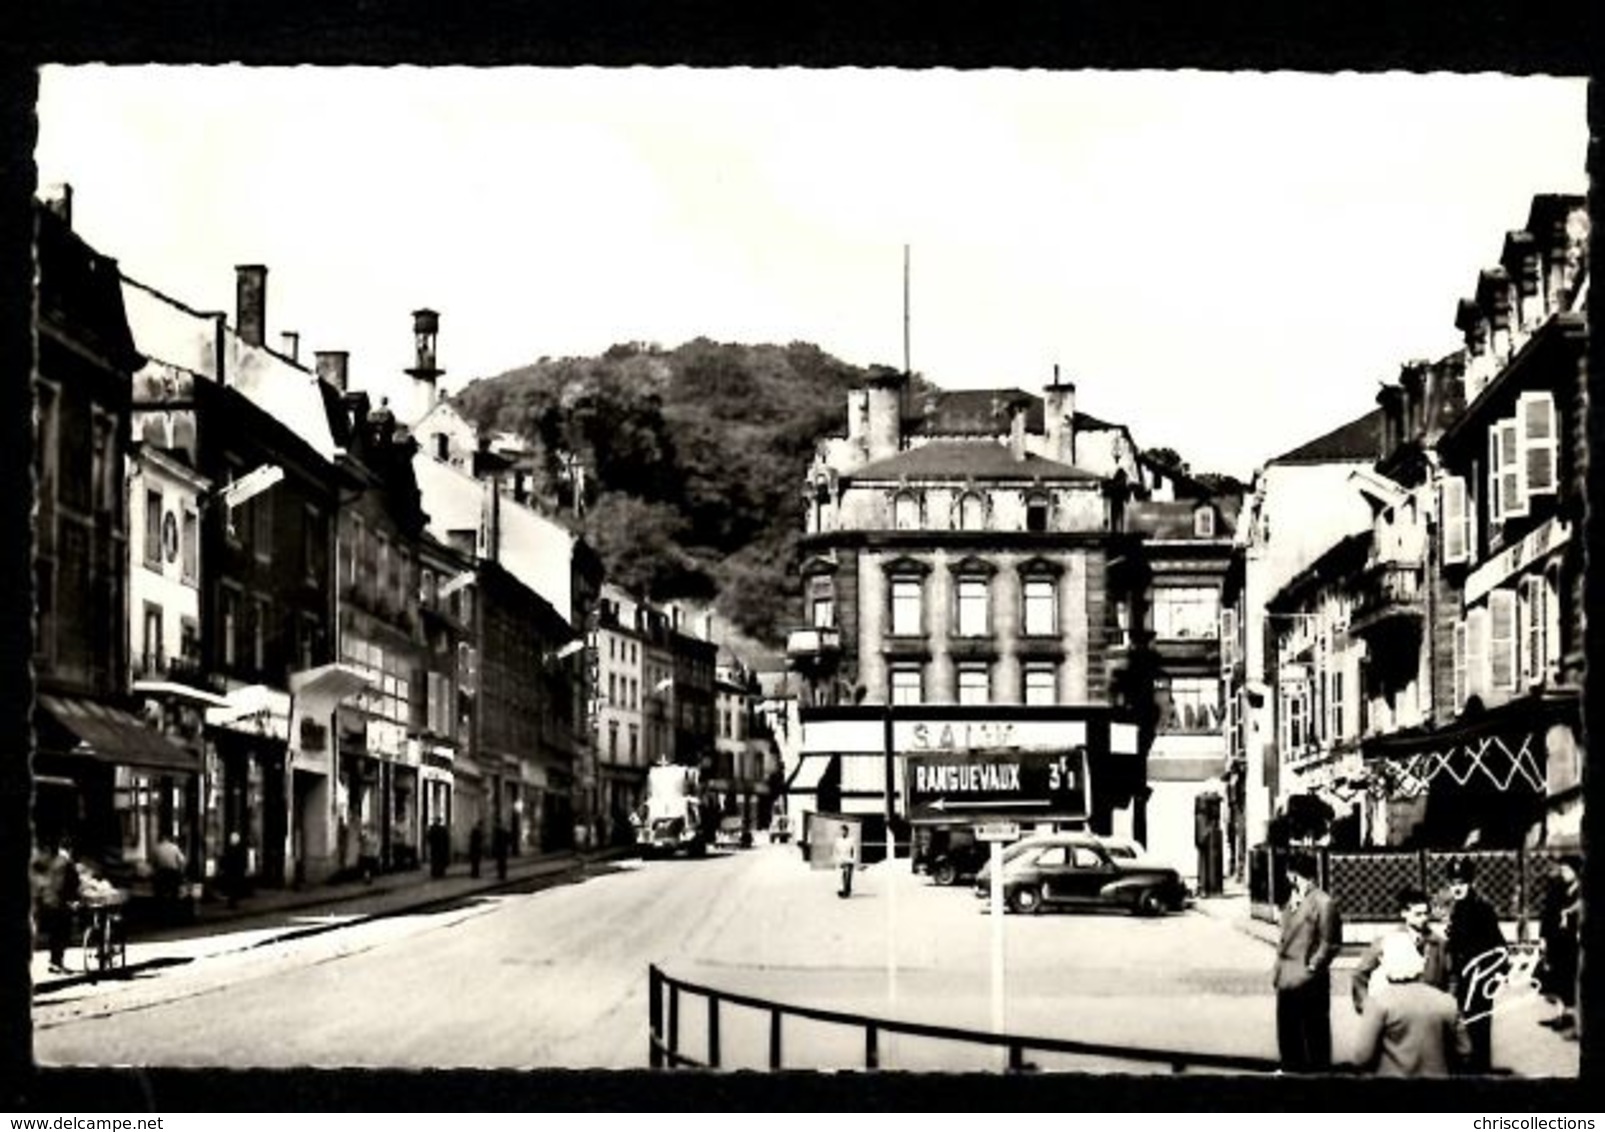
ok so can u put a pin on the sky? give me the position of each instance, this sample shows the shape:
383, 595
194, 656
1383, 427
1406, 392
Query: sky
1228, 264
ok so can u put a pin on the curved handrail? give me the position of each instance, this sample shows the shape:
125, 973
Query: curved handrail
666, 1049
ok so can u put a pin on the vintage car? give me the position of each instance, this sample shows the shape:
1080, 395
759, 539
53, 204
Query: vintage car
1079, 871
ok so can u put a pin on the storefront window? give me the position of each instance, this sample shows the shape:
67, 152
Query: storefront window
1186, 612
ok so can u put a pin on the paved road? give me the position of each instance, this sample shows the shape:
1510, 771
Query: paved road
556, 978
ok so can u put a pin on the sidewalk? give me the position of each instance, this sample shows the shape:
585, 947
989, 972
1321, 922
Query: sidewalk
276, 914
1521, 1046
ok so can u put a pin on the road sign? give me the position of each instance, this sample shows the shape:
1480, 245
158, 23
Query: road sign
998, 831
1001, 785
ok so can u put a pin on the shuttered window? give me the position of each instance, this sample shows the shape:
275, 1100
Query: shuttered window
1502, 640
1495, 496
1536, 415
1512, 471
1477, 652
1460, 689
1453, 519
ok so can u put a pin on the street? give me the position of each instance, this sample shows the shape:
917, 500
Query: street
557, 978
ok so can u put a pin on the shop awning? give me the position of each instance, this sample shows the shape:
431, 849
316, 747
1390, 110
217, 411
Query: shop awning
170, 689
1504, 745
318, 690
254, 709
114, 736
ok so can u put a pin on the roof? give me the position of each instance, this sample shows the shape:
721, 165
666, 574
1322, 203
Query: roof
980, 412
1173, 520
958, 459
1342, 560
1360, 439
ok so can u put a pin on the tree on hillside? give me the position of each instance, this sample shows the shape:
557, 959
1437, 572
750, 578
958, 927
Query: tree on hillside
638, 541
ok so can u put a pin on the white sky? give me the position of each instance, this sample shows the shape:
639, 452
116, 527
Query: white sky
1226, 263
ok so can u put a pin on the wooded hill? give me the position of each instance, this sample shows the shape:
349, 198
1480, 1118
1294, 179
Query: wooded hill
694, 460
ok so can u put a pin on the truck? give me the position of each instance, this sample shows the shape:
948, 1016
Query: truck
671, 818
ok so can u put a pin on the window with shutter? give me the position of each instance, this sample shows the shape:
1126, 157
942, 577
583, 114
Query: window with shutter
1536, 414
1512, 472
1502, 640
1452, 516
1460, 690
1495, 496
1532, 659
1477, 652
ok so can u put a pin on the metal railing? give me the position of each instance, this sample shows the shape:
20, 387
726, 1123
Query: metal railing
665, 992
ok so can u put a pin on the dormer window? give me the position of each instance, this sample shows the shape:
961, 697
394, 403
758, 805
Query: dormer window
1204, 522
1036, 513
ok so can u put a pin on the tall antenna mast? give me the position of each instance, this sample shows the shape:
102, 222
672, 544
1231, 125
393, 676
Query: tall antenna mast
906, 369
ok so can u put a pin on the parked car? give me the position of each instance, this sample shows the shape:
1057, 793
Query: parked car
949, 854
1078, 870
1124, 847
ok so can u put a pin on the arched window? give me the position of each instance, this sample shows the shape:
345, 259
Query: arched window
906, 511
972, 512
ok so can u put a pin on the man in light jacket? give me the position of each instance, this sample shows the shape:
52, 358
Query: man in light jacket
1408, 1028
1311, 932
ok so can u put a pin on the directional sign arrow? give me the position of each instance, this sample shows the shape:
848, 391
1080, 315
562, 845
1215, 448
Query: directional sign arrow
944, 804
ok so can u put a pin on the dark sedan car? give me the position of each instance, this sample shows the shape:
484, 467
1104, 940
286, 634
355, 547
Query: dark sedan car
1079, 871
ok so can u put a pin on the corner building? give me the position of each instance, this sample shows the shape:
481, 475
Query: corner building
956, 574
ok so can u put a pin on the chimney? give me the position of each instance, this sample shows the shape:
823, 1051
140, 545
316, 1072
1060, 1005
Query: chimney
250, 303
707, 626
332, 367
1059, 419
58, 199
885, 397
1017, 411
291, 345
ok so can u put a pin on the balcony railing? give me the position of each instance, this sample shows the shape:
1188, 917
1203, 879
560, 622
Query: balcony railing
808, 643
1388, 591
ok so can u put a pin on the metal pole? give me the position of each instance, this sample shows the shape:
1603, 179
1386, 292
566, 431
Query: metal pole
890, 769
995, 856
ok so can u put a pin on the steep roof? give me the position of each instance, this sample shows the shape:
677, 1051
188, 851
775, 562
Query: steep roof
1359, 439
957, 459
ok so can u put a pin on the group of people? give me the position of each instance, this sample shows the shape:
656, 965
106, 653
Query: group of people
1425, 1000
439, 842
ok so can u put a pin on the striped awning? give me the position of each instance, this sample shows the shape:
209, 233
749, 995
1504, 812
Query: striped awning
113, 736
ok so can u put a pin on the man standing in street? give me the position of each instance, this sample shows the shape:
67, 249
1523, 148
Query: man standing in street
1415, 911
1477, 960
844, 855
499, 845
439, 848
1311, 931
476, 848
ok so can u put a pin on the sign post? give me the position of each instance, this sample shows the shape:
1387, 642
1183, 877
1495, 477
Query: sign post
997, 834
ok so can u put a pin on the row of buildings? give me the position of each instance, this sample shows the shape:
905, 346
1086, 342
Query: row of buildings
1376, 642
274, 612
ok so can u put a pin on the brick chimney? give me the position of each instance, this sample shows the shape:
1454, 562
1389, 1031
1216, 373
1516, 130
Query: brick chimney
332, 367
1059, 419
291, 347
250, 303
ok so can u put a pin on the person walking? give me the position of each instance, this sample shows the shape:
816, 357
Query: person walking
58, 892
844, 856
1415, 915
1311, 931
1409, 1028
1558, 925
439, 848
167, 876
234, 868
1477, 960
476, 847
499, 845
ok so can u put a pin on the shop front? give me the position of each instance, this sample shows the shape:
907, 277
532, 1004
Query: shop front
110, 785
846, 753
247, 743
315, 812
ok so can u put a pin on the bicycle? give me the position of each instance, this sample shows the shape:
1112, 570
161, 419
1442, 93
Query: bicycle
105, 943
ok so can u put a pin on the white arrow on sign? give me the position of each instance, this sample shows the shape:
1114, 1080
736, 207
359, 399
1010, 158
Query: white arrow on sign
253, 483
944, 804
